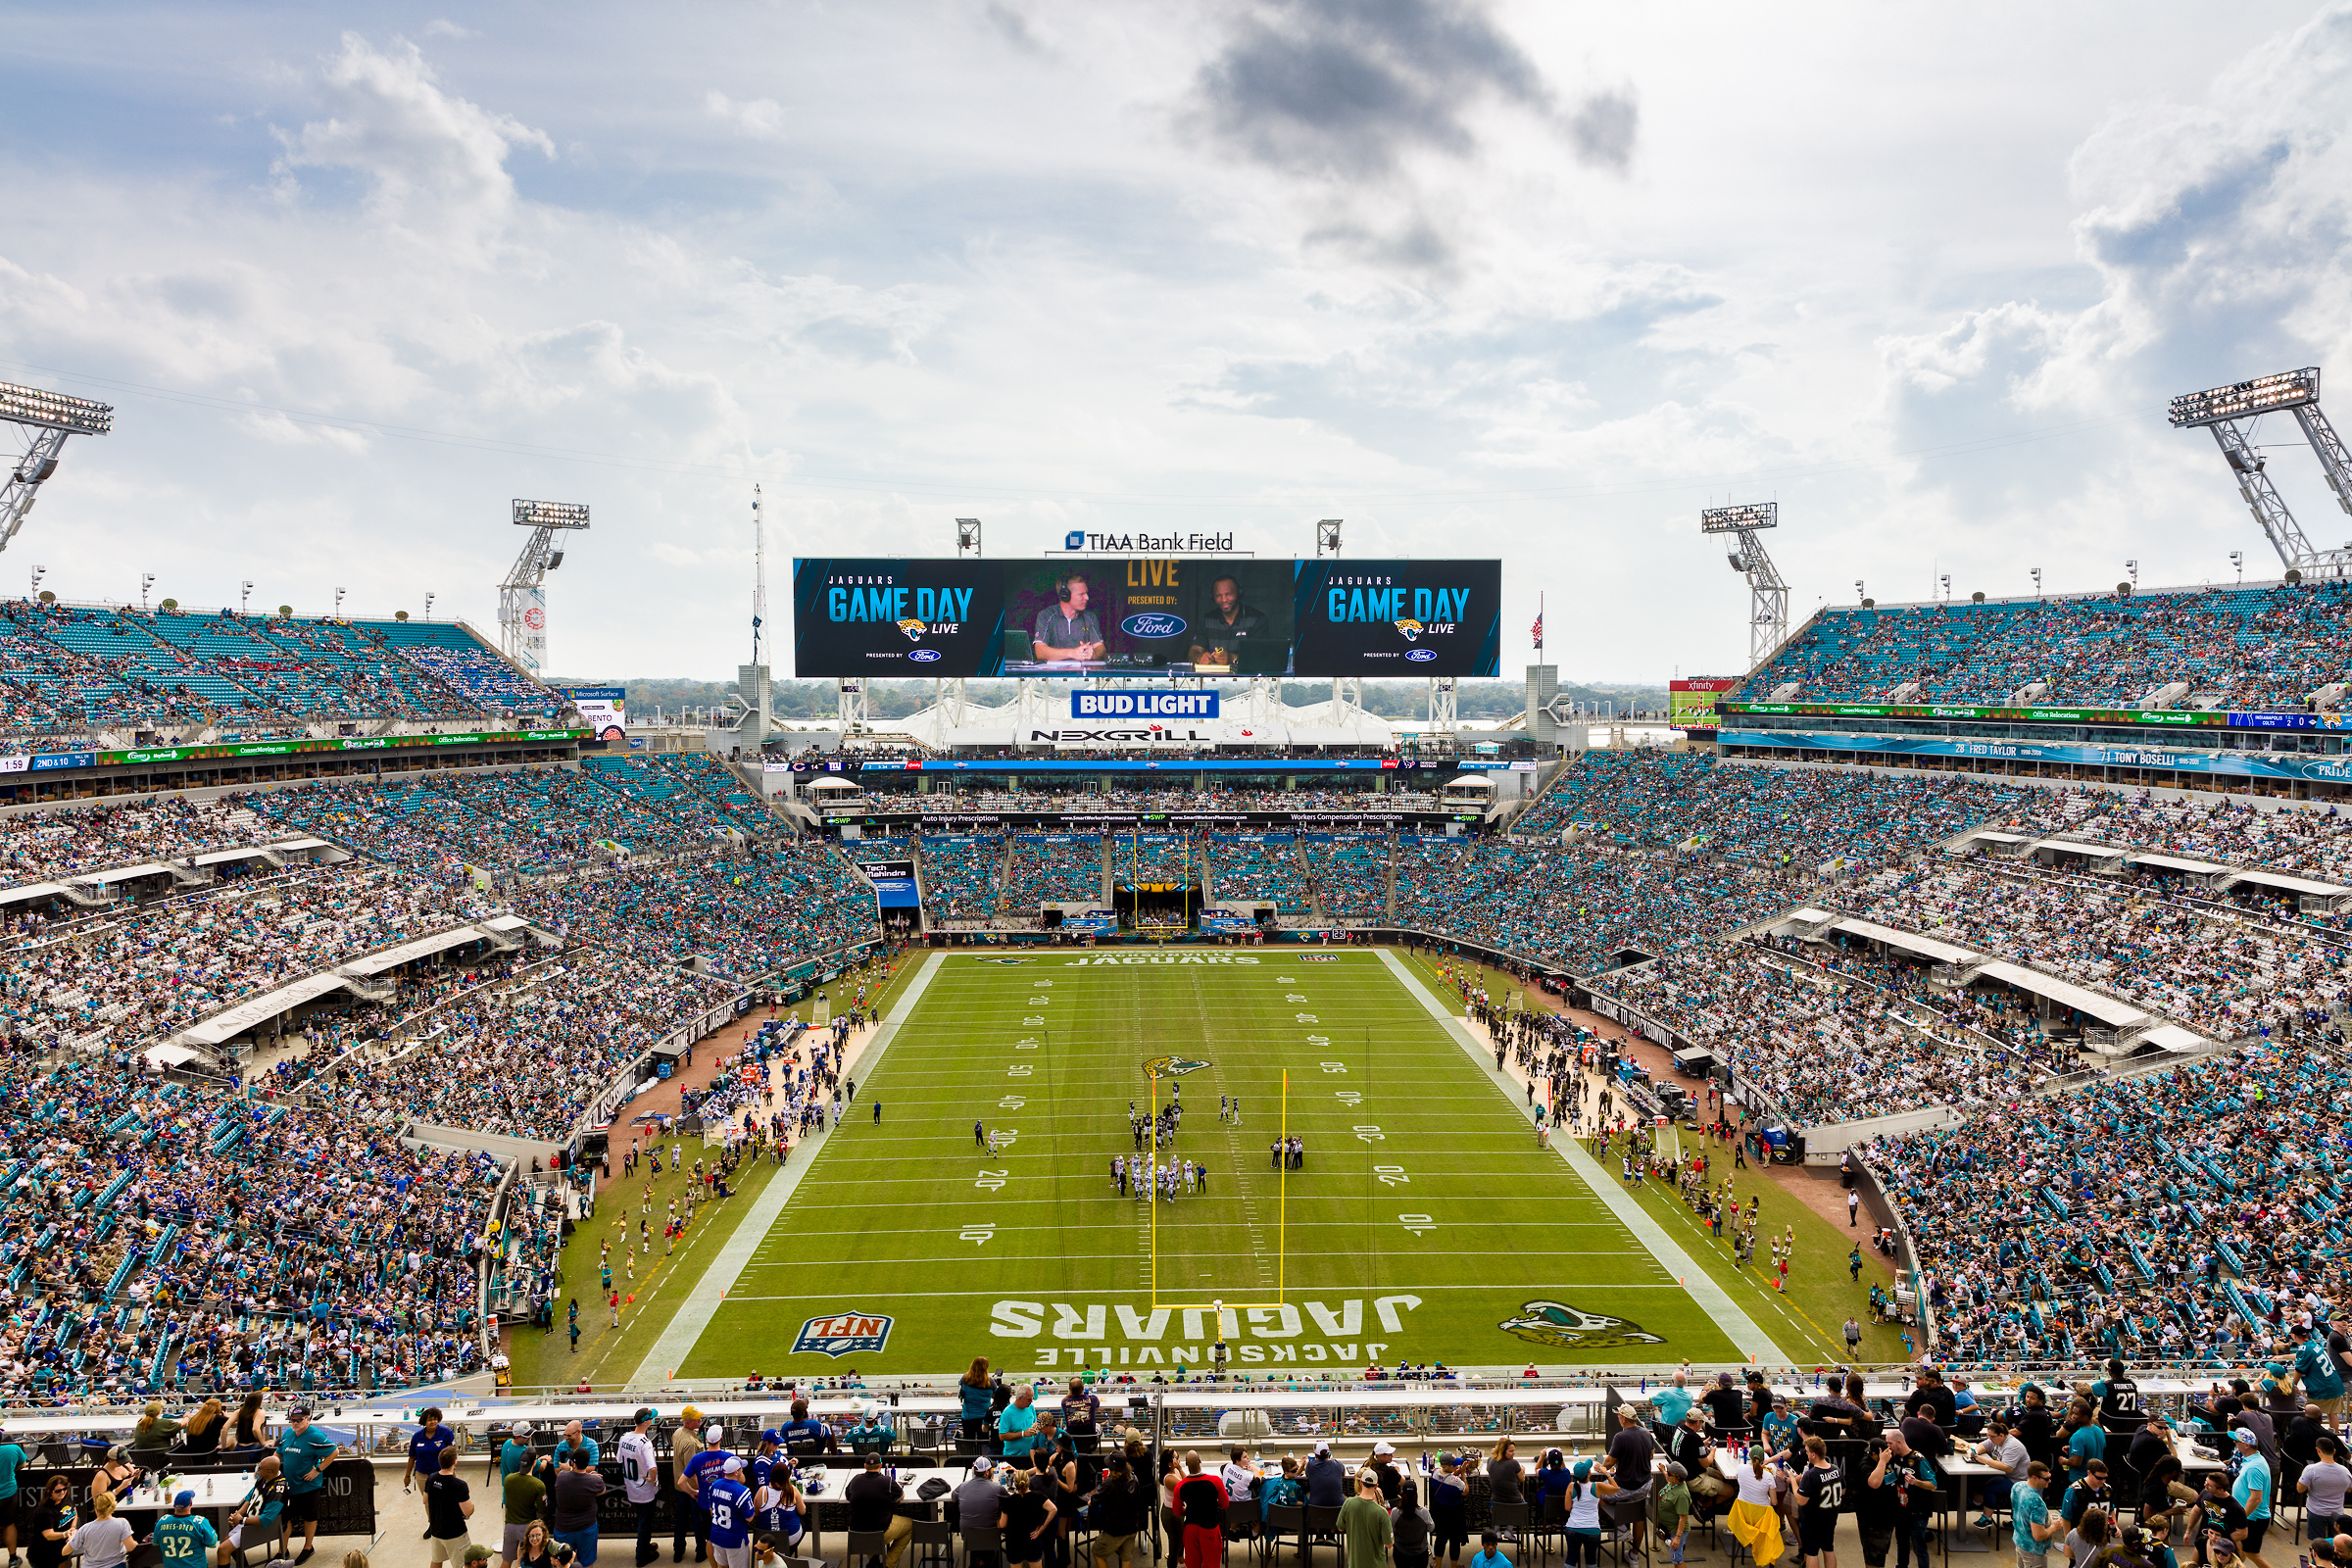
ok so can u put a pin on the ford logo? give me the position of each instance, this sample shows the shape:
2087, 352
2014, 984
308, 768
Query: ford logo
1152, 626
925, 655
1419, 656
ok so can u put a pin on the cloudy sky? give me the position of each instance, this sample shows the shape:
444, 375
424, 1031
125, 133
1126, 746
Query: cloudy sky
1536, 282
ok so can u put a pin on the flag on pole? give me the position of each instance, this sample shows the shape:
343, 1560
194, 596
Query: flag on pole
1538, 628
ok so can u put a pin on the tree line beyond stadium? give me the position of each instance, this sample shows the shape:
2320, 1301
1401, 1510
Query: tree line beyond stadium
1142, 616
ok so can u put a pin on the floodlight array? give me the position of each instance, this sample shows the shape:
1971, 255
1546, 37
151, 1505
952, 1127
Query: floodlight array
2288, 389
33, 405
551, 515
1740, 520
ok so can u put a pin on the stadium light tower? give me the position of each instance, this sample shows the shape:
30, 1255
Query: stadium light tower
1768, 591
47, 419
1327, 537
522, 597
2230, 412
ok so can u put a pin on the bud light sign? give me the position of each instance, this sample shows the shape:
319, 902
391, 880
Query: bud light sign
1143, 704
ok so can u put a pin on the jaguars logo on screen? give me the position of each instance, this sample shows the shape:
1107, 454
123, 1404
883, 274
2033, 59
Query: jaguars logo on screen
1557, 1323
1172, 1066
1409, 630
912, 628
843, 1334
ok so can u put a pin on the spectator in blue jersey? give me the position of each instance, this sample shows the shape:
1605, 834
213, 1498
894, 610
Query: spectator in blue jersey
304, 1452
727, 1503
804, 1436
576, 1435
424, 1450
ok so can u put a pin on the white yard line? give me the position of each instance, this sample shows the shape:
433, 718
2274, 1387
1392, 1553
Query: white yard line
694, 1314
1718, 1304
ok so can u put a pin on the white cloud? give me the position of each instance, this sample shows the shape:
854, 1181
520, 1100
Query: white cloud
1531, 323
760, 118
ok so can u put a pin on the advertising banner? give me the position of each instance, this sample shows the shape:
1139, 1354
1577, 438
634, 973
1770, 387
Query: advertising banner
2237, 764
603, 708
1399, 617
1144, 615
1144, 704
1691, 704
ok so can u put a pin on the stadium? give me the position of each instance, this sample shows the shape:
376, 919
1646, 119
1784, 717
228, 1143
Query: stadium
632, 1063
1113, 1080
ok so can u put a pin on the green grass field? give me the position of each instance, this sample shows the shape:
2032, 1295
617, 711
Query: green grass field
1426, 1221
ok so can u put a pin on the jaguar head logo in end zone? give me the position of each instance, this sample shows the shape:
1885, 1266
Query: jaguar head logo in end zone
1572, 1328
1172, 1066
843, 1334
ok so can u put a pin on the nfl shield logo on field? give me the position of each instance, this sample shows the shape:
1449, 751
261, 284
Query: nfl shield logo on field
843, 1334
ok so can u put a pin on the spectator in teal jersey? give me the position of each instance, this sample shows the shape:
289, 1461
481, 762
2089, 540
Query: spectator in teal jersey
1673, 1402
183, 1540
304, 1452
12, 1458
1017, 1424
516, 1453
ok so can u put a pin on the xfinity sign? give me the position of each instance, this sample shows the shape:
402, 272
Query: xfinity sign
1143, 704
1148, 544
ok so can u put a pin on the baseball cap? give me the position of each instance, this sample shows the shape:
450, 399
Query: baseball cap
733, 1466
645, 1412
771, 1434
714, 1432
2245, 1435
983, 1465
301, 1412
520, 1429
1379, 1449
690, 1415
183, 1499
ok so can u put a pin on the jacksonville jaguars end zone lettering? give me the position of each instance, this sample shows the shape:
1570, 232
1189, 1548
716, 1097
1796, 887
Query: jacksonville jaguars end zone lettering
1120, 1335
1090, 1329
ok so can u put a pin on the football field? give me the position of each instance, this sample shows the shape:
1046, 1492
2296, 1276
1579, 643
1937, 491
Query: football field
1426, 1224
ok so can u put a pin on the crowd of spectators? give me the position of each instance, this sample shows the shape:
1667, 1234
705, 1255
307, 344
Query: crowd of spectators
1349, 872
1053, 869
2226, 977
523, 1058
742, 914
157, 1236
1806, 818
2307, 839
2266, 649
2185, 1214
1141, 858
35, 845
1825, 1047
1258, 868
146, 972
69, 670
963, 876
525, 819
